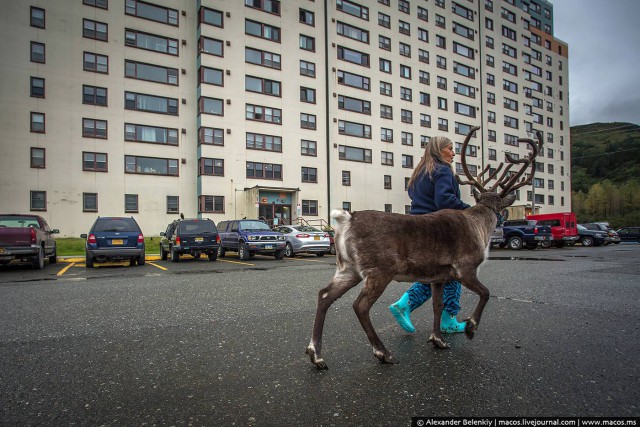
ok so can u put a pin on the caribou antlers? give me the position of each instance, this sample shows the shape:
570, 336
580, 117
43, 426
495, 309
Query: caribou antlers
507, 182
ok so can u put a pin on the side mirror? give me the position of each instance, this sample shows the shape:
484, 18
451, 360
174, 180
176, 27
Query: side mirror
55, 231
84, 235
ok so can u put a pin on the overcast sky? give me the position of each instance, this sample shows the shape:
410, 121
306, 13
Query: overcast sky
604, 58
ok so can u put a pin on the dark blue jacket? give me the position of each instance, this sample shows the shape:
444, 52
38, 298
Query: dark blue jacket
432, 194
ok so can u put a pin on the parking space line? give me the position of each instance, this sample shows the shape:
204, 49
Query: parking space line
306, 260
157, 266
64, 270
235, 262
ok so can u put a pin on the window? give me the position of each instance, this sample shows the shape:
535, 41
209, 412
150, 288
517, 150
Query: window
261, 57
352, 32
384, 43
404, 28
491, 98
384, 20
463, 31
308, 148
37, 87
405, 72
260, 85
151, 42
509, 33
424, 77
346, 178
406, 116
37, 52
309, 174
94, 30
131, 203
173, 204
307, 68
386, 158
464, 70
353, 9
93, 95
214, 106
263, 31
269, 6
403, 6
213, 167
441, 42
405, 50
354, 154
491, 79
258, 141
405, 94
346, 206
491, 135
492, 154
354, 104
385, 88
264, 171
307, 17
385, 65
307, 43
425, 120
102, 4
462, 11
37, 123
263, 114
441, 62
213, 204
354, 80
150, 166
90, 202
212, 46
92, 128
150, 134
310, 207
442, 103
441, 21
443, 124
386, 111
407, 138
463, 89
94, 162
151, 73
424, 140
353, 56
423, 14
37, 17
354, 129
442, 83
38, 200
96, 63
151, 12
423, 35
491, 116
464, 109
386, 135
210, 136
407, 161
307, 121
37, 158
211, 17
463, 50
211, 76
387, 182
307, 95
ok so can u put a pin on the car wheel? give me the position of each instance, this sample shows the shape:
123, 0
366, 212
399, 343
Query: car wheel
175, 256
141, 259
212, 256
243, 251
279, 254
515, 243
163, 254
320, 254
545, 244
54, 257
288, 251
586, 241
38, 261
221, 252
89, 261
332, 251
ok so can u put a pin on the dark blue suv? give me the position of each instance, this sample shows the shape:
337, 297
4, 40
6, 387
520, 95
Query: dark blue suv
114, 238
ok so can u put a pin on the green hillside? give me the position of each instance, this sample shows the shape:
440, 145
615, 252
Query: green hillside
605, 169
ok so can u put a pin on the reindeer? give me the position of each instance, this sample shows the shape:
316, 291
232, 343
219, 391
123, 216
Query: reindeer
435, 248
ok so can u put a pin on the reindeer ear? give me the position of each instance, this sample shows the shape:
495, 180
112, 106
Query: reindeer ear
508, 200
476, 195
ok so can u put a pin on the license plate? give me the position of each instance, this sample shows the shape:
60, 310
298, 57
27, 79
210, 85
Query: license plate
117, 242
268, 246
199, 239
316, 237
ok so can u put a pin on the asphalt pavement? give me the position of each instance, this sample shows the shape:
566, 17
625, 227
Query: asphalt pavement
222, 343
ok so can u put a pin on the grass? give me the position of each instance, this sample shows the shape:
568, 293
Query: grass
74, 246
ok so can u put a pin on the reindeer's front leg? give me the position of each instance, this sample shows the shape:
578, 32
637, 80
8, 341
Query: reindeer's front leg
374, 286
340, 283
438, 305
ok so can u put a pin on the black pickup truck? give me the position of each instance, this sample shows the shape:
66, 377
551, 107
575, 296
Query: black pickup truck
519, 233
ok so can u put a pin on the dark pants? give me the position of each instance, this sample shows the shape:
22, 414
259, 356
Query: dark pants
419, 293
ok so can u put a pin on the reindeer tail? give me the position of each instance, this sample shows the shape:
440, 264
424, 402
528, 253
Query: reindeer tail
341, 217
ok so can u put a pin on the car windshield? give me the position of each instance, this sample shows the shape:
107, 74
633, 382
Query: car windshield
116, 224
255, 226
18, 221
307, 229
195, 227
581, 227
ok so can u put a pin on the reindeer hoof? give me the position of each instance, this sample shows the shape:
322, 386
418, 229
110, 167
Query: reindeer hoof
319, 362
438, 342
471, 328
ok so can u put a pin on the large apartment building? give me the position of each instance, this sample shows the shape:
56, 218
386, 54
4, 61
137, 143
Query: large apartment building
263, 108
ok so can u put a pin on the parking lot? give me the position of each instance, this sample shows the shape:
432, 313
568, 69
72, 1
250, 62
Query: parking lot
222, 343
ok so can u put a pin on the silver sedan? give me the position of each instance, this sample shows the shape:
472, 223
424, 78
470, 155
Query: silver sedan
304, 239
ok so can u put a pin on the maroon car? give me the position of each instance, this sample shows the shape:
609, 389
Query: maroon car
26, 238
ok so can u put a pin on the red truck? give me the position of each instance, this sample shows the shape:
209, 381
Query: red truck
26, 238
563, 227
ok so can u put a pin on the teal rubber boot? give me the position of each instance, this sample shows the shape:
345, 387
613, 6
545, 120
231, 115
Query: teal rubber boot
401, 312
449, 324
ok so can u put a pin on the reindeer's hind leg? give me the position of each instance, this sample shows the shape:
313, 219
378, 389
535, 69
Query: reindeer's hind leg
471, 282
438, 305
341, 282
374, 286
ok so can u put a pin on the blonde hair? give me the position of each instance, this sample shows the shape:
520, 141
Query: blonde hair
432, 155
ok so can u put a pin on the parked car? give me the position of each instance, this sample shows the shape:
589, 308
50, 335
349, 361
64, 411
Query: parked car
563, 227
26, 238
332, 245
629, 234
248, 237
304, 239
591, 235
612, 236
114, 238
497, 237
519, 233
190, 236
